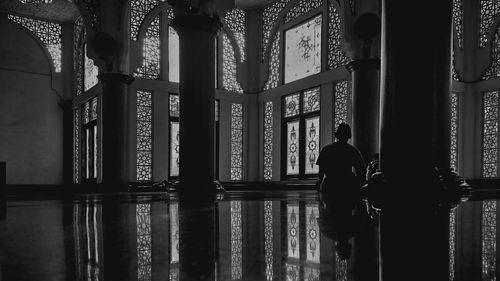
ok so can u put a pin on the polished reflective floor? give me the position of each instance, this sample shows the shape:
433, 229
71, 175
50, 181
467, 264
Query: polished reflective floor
243, 236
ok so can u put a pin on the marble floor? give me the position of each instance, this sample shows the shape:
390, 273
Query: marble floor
242, 236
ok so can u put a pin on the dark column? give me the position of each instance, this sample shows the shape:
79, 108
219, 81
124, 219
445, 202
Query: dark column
114, 130
67, 110
3, 191
415, 139
197, 89
365, 104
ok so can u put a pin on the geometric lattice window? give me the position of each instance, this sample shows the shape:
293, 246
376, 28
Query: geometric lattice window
76, 145
236, 241
78, 35
268, 239
236, 21
270, 16
342, 104
490, 134
47, 32
302, 7
138, 11
174, 135
150, 68
458, 20
488, 12
494, 69
303, 50
489, 240
301, 121
143, 219
274, 64
336, 57
89, 142
454, 131
173, 55
236, 141
268, 140
293, 233
90, 72
229, 74
144, 136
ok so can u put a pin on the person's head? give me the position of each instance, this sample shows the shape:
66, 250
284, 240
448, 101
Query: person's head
343, 132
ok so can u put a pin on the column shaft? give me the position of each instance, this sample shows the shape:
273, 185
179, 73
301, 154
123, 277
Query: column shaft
366, 103
114, 130
415, 138
197, 92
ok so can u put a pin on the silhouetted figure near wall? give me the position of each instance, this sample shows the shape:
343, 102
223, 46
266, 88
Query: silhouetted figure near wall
340, 186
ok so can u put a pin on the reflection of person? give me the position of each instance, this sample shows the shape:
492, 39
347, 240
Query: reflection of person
340, 186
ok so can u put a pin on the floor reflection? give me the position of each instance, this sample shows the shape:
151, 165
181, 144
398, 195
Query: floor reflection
279, 238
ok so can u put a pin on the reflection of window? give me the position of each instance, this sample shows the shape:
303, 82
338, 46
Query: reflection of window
89, 143
301, 124
87, 224
236, 241
174, 241
143, 219
268, 239
293, 222
303, 50
452, 243
174, 137
303, 247
489, 240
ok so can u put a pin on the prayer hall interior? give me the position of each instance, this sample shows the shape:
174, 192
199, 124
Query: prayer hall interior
178, 139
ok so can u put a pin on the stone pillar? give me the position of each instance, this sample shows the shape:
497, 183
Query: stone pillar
365, 105
197, 34
68, 143
415, 139
114, 130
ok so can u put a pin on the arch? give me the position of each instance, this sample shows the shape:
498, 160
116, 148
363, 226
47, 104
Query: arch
40, 44
30, 113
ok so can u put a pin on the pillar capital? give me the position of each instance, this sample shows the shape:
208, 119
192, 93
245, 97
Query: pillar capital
363, 64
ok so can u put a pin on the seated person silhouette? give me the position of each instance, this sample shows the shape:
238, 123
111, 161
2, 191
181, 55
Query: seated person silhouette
340, 186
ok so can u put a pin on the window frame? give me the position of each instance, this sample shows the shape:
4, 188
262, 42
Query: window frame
301, 117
